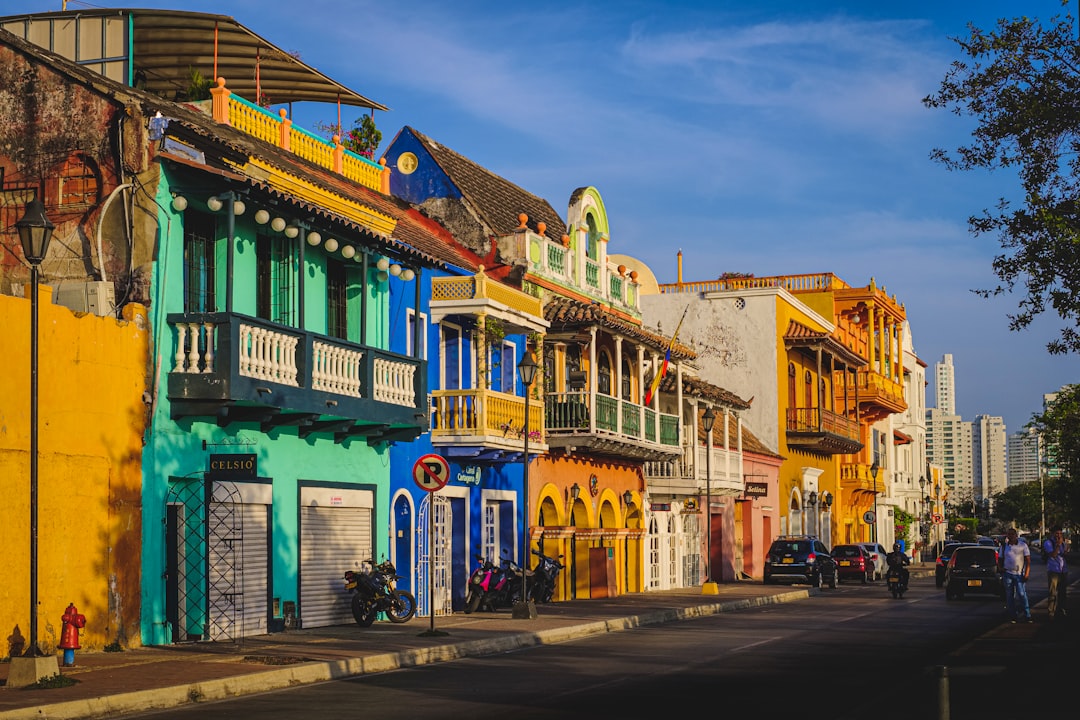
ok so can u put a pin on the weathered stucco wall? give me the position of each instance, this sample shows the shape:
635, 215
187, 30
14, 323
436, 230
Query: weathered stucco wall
91, 379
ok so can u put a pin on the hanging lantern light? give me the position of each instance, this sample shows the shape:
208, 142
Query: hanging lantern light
314, 238
179, 203
383, 264
347, 252
278, 224
262, 217
214, 203
238, 207
332, 245
407, 274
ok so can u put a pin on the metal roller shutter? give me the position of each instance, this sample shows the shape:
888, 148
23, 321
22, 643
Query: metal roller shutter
246, 608
333, 539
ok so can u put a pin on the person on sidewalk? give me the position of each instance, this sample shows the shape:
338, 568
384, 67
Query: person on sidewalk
1016, 561
1057, 574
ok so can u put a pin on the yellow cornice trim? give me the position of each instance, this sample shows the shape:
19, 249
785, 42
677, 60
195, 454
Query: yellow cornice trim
334, 202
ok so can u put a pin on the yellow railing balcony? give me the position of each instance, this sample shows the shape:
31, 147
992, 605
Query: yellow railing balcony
486, 417
279, 130
857, 477
480, 294
875, 391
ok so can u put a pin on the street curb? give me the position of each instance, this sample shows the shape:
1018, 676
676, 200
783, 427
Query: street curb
314, 672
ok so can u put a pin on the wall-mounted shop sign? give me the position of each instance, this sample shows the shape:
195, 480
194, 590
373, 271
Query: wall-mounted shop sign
233, 466
756, 489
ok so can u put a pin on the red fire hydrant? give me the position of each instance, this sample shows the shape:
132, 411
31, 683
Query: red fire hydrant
69, 633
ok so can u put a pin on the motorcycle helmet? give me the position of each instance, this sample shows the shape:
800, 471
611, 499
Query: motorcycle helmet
896, 547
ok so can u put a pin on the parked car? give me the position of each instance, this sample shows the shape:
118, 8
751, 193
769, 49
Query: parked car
800, 559
990, 542
973, 569
854, 562
943, 561
879, 555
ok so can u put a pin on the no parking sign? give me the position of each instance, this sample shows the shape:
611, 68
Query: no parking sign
431, 472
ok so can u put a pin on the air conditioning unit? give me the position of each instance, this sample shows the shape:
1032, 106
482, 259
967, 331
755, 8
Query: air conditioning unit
97, 297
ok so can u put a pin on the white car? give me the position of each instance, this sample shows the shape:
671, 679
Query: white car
878, 554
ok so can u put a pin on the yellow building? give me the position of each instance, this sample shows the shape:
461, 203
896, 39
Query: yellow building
91, 380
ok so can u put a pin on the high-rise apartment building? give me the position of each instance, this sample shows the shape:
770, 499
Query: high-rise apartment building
945, 386
948, 437
988, 445
1022, 456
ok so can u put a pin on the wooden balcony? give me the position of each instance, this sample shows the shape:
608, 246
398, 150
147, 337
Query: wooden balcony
856, 478
477, 294
605, 425
879, 396
485, 424
237, 368
685, 474
822, 431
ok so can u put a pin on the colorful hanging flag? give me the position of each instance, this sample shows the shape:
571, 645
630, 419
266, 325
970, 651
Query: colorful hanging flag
667, 359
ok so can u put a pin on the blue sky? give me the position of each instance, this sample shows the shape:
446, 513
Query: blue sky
760, 136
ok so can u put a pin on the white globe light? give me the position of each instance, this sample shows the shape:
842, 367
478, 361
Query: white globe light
383, 264
314, 238
407, 274
179, 203
331, 245
395, 269
347, 252
382, 276
278, 224
291, 231
214, 203
262, 217
238, 207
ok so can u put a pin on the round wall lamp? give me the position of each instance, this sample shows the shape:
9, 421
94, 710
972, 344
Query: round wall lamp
278, 224
179, 203
262, 217
238, 207
214, 203
314, 238
332, 245
382, 276
395, 269
291, 231
407, 274
347, 252
383, 264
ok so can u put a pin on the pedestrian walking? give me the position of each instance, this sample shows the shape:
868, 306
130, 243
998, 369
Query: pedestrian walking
1057, 573
1016, 561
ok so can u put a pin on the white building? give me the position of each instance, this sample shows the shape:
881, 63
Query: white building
948, 437
988, 457
1022, 457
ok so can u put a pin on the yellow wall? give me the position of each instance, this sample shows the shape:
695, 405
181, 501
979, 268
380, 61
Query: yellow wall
795, 460
91, 379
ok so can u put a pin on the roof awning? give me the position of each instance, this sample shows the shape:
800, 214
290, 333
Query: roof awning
166, 44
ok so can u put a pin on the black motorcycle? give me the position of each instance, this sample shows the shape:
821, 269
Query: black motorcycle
374, 592
542, 586
896, 581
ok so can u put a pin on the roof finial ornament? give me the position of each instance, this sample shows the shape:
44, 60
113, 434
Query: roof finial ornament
522, 218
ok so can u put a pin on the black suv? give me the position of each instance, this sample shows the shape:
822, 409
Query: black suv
801, 559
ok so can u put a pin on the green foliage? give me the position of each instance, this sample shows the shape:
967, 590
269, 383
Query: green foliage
53, 681
903, 522
1059, 426
198, 86
1021, 83
1020, 505
363, 137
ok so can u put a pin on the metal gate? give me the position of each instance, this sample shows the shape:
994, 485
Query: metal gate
204, 563
441, 549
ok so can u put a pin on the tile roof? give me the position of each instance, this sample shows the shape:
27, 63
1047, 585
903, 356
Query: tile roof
567, 314
496, 201
799, 335
696, 387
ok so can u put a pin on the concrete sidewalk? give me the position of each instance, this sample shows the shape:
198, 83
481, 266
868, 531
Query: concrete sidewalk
111, 684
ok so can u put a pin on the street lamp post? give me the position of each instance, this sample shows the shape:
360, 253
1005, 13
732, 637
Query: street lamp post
873, 474
35, 232
525, 608
707, 421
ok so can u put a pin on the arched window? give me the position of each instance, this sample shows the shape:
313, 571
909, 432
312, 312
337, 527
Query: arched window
808, 389
592, 241
791, 397
822, 396
603, 373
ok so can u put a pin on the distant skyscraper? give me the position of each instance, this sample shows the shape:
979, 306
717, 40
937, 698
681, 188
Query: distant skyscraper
1023, 454
948, 437
945, 386
988, 456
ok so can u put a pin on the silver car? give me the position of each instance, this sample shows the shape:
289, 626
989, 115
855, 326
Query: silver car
879, 555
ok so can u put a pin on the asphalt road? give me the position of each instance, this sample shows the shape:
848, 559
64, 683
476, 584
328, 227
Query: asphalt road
854, 652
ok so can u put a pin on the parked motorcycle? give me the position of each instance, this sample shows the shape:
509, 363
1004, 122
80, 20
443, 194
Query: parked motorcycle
486, 584
896, 581
542, 586
374, 591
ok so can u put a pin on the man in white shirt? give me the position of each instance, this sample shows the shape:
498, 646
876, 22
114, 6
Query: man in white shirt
1016, 561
